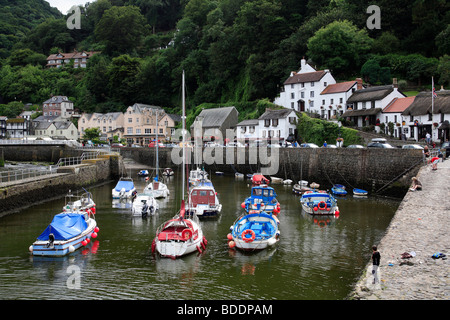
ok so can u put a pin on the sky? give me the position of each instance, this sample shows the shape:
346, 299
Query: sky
65, 5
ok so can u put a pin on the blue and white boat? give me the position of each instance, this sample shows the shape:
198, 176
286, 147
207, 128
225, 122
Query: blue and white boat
254, 231
339, 190
360, 192
319, 202
263, 198
143, 173
124, 189
67, 232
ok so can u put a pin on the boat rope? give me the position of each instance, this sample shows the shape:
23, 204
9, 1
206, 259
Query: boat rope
346, 180
400, 175
326, 175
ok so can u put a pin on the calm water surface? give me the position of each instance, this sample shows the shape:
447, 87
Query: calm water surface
316, 258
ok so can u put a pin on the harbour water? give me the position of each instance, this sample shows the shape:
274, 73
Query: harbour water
316, 258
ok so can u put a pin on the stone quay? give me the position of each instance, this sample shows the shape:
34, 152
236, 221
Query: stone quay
419, 228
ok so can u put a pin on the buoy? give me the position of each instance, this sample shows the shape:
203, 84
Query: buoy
336, 213
315, 209
84, 242
231, 244
243, 205
205, 241
199, 250
94, 235
71, 249
229, 236
97, 229
88, 240
30, 248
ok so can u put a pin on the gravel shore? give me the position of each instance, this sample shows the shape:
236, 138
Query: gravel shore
420, 227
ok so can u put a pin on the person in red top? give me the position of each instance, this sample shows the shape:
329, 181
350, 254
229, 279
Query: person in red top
434, 161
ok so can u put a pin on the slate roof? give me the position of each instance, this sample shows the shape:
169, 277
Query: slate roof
214, 117
275, 114
305, 77
57, 99
362, 112
249, 122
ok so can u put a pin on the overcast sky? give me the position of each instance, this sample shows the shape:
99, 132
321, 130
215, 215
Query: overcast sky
65, 5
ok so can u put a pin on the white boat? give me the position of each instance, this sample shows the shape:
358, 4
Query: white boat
182, 234
74, 203
144, 205
124, 189
319, 202
203, 200
287, 181
255, 231
157, 189
143, 173
67, 232
276, 180
239, 175
168, 172
197, 175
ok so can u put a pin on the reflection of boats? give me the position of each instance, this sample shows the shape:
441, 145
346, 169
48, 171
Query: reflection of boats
254, 231
258, 179
142, 173
182, 234
319, 202
168, 172
339, 190
262, 198
359, 192
67, 232
81, 203
124, 189
122, 203
203, 200
144, 205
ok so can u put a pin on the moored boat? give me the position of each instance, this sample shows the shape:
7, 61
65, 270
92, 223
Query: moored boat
143, 173
124, 189
258, 179
157, 188
84, 202
360, 192
197, 175
168, 172
338, 190
255, 231
144, 205
262, 198
67, 232
203, 200
319, 202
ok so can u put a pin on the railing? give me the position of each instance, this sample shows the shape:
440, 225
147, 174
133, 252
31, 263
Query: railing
71, 161
20, 174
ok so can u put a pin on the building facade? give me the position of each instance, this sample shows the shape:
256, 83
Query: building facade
59, 106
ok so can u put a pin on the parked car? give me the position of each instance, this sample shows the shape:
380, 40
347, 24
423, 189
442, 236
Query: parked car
152, 144
117, 145
380, 145
355, 146
412, 146
308, 145
446, 146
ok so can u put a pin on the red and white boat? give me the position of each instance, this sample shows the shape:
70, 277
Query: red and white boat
203, 200
182, 234
179, 236
258, 179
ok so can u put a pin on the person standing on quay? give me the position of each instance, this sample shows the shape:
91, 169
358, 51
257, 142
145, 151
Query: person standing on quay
376, 263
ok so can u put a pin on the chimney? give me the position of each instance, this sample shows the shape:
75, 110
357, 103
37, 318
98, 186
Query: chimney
302, 63
359, 83
394, 83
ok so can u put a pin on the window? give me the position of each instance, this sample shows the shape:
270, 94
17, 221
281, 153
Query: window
129, 130
274, 122
130, 120
373, 105
267, 123
251, 129
331, 101
161, 130
292, 105
312, 84
311, 94
323, 102
148, 131
138, 131
292, 95
341, 100
325, 84
243, 129
363, 105
302, 95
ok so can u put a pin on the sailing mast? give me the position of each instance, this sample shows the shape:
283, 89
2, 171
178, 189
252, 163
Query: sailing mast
183, 120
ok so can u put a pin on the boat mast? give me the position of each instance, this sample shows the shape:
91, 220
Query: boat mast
183, 120
157, 163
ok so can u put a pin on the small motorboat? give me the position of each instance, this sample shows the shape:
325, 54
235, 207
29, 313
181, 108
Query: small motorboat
360, 192
197, 175
287, 182
168, 172
255, 231
144, 205
258, 179
79, 203
143, 173
249, 175
124, 189
339, 190
319, 202
157, 189
239, 175
276, 180
219, 173
299, 189
262, 198
67, 232
203, 200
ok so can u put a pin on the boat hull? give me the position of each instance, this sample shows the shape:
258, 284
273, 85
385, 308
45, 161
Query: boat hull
63, 247
318, 203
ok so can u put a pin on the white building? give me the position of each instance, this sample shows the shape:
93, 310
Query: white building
393, 113
301, 91
280, 124
55, 130
423, 116
248, 130
333, 99
364, 106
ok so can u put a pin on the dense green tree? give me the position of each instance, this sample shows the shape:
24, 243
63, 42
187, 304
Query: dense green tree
340, 46
122, 75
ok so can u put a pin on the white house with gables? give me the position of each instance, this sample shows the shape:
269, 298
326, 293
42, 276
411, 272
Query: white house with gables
301, 90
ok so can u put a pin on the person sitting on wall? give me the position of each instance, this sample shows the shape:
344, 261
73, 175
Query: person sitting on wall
416, 184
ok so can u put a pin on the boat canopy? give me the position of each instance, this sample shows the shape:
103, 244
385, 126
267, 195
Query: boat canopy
65, 226
128, 185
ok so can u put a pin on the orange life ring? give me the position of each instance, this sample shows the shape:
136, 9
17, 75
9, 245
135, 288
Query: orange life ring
245, 233
186, 234
322, 205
